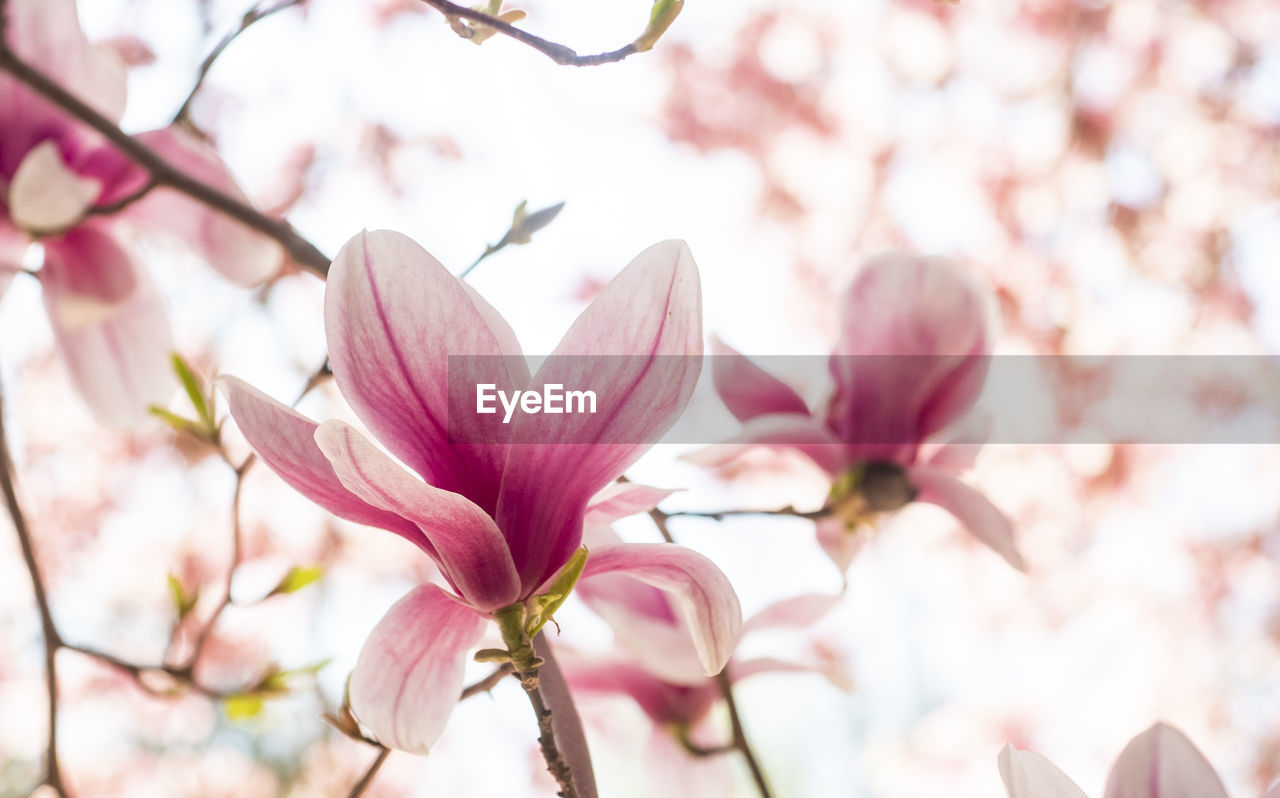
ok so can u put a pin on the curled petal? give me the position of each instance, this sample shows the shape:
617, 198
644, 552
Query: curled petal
621, 499
1162, 763
109, 323
240, 254
393, 317
975, 511
695, 585
638, 346
285, 440
1029, 775
468, 546
409, 673
45, 195
796, 612
665, 703
748, 390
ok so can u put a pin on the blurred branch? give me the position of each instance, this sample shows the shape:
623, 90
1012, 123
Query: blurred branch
163, 174
740, 741
720, 515
367, 778
251, 16
562, 55
53, 772
523, 226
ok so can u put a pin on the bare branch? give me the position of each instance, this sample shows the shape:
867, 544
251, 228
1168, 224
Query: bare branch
367, 778
562, 55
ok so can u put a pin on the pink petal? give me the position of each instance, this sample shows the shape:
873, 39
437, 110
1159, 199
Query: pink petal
285, 440
621, 499
748, 390
1162, 763
796, 612
651, 314
695, 585
800, 433
952, 456
109, 323
975, 511
840, 543
835, 673
664, 703
912, 355
469, 548
394, 316
1274, 792
1029, 775
238, 253
47, 34
409, 673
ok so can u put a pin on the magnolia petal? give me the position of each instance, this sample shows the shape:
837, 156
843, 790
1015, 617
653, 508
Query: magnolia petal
984, 520
47, 34
839, 541
471, 551
795, 612
409, 673
639, 347
565, 722
1029, 775
836, 673
285, 440
801, 433
1162, 763
109, 324
694, 584
665, 703
748, 390
912, 355
621, 499
1274, 792
45, 195
394, 316
240, 254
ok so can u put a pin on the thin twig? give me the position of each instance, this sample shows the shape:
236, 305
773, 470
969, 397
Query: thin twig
367, 778
53, 772
489, 682
162, 172
740, 741
250, 17
556, 764
562, 55
720, 515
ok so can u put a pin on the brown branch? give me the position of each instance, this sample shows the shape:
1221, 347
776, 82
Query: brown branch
489, 682
250, 17
740, 741
53, 772
162, 172
556, 764
123, 202
367, 778
562, 55
720, 515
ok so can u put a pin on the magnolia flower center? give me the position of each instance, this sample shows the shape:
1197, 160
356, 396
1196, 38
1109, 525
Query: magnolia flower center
870, 489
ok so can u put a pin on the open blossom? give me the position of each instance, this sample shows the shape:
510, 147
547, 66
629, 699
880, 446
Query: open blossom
1159, 763
61, 184
500, 517
911, 358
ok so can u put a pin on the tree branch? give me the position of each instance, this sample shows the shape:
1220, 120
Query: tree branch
562, 55
740, 741
162, 172
367, 778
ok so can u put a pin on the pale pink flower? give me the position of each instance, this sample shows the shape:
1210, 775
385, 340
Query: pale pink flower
1159, 763
912, 356
59, 179
499, 518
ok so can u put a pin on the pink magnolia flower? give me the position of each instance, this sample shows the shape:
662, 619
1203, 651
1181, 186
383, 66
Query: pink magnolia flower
1159, 763
912, 356
59, 183
500, 518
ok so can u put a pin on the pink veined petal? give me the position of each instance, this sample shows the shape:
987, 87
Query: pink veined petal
109, 323
240, 254
1029, 775
1162, 763
748, 390
45, 195
394, 316
47, 34
801, 433
795, 612
285, 440
621, 499
912, 354
409, 673
984, 520
663, 702
469, 547
672, 772
694, 584
639, 347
